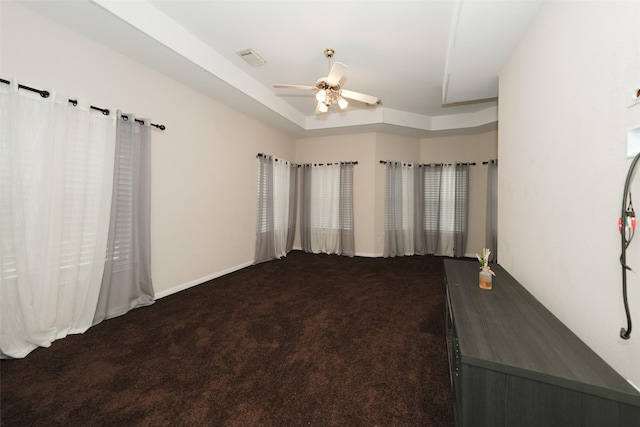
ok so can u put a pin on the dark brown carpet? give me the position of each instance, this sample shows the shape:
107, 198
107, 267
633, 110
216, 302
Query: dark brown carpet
309, 340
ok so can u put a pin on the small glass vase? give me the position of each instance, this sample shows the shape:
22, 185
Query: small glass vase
485, 279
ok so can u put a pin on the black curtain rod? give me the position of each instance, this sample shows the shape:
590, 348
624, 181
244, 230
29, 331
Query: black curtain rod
384, 162
268, 156
329, 164
74, 102
307, 164
492, 161
428, 165
126, 117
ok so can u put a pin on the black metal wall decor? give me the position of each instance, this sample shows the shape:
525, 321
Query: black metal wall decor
627, 226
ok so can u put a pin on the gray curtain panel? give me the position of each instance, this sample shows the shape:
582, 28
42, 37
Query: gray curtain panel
126, 282
293, 203
305, 209
432, 185
419, 232
265, 239
393, 234
274, 241
345, 214
492, 210
345, 225
460, 222
427, 207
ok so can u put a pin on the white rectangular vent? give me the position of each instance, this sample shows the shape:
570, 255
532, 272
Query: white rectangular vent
251, 57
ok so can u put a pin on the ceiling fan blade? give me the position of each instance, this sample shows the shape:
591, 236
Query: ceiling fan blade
356, 96
336, 73
295, 87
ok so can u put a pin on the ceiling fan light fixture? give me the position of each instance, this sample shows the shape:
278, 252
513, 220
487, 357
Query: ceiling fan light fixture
342, 103
329, 90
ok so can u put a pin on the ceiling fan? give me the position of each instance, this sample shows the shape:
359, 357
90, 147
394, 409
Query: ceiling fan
328, 90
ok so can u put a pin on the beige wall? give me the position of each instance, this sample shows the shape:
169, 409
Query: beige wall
472, 149
203, 175
369, 175
360, 148
369, 185
563, 166
203, 166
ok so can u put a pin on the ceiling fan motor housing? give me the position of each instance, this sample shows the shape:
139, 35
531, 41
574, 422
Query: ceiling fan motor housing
322, 84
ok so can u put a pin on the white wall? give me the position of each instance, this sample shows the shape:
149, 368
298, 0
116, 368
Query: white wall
563, 118
203, 174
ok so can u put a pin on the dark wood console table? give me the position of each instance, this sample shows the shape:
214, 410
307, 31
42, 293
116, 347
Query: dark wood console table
513, 363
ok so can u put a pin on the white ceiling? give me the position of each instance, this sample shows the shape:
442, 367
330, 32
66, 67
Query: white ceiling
433, 64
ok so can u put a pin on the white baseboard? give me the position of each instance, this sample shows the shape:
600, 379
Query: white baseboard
363, 254
201, 280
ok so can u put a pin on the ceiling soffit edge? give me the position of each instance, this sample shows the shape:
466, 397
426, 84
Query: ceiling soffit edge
147, 19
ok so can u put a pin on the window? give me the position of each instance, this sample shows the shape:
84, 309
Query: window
325, 191
439, 209
326, 218
123, 236
275, 216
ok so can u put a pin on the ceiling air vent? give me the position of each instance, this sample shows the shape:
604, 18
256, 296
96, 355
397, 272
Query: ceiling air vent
251, 57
